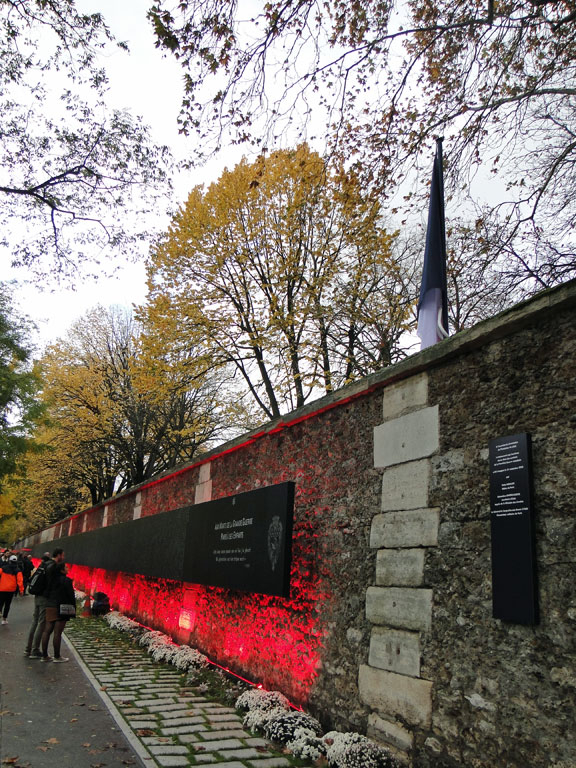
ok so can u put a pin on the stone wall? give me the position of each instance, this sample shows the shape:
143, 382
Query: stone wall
389, 628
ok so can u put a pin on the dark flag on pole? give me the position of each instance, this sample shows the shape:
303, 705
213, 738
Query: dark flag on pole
433, 301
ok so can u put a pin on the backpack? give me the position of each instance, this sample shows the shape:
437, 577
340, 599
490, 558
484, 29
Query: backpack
101, 604
39, 580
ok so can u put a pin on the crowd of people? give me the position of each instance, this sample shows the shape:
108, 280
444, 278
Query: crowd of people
54, 600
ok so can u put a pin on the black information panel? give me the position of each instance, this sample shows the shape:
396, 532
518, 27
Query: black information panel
240, 542
243, 542
514, 594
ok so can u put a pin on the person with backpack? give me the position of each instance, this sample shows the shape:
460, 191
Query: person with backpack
37, 587
11, 581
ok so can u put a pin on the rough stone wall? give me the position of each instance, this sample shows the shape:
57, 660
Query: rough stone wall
503, 694
391, 579
447, 684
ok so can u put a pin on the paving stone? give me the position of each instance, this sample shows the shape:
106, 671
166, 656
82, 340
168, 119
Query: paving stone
150, 690
155, 740
217, 745
189, 698
142, 723
132, 711
171, 723
152, 702
233, 764
223, 719
180, 729
241, 754
168, 749
227, 726
254, 741
187, 738
269, 762
171, 708
174, 761
239, 734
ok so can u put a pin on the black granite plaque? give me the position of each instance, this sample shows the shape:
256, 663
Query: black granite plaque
514, 593
241, 542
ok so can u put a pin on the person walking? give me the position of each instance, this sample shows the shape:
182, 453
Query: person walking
11, 581
27, 568
60, 606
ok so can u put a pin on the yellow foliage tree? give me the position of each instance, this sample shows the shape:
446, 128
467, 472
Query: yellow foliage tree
283, 272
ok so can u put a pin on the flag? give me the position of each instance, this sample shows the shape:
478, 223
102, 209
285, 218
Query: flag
433, 301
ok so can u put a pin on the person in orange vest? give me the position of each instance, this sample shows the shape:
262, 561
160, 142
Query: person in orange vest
11, 580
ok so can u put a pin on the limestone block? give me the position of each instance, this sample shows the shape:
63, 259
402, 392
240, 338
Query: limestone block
400, 567
203, 492
204, 475
396, 696
386, 732
402, 607
405, 486
407, 438
409, 528
395, 650
405, 396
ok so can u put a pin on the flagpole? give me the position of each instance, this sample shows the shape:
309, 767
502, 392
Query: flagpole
433, 301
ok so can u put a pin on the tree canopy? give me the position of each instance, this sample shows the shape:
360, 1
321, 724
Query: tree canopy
19, 386
68, 164
498, 79
284, 271
117, 417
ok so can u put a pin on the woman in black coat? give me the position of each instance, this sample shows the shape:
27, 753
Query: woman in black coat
59, 593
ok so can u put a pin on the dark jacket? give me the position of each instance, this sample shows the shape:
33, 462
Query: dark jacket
60, 589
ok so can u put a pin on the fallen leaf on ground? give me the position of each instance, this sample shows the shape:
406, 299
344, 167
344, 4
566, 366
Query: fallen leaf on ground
43, 749
51, 741
145, 732
9, 760
74, 720
87, 744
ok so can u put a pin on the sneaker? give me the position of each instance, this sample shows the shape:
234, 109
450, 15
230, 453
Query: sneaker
4, 621
46, 658
60, 660
35, 655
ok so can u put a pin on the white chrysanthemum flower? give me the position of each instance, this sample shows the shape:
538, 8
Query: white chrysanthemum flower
306, 745
257, 698
189, 658
283, 727
257, 719
352, 750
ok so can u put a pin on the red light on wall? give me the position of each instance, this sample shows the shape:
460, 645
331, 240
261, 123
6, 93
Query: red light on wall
187, 619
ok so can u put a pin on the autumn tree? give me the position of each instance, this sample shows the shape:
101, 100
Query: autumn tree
19, 385
68, 164
498, 80
282, 270
116, 416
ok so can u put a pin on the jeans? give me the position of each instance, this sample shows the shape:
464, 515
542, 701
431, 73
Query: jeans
38, 623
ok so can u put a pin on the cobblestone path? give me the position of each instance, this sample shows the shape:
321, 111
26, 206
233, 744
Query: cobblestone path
173, 724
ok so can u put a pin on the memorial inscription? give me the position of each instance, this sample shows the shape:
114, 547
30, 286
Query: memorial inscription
241, 542
514, 595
